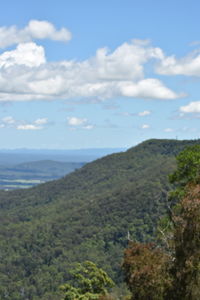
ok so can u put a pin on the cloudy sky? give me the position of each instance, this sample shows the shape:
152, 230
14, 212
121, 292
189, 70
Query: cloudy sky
91, 74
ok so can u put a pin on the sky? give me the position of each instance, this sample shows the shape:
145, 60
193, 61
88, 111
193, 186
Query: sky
97, 74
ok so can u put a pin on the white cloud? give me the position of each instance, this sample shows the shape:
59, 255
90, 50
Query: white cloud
46, 30
41, 121
126, 62
145, 126
168, 130
28, 127
189, 65
34, 30
28, 54
148, 88
82, 123
74, 121
25, 75
144, 113
8, 120
192, 107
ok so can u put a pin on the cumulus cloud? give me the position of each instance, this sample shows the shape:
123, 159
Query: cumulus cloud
34, 30
126, 62
147, 88
28, 54
192, 107
79, 123
189, 65
74, 121
10, 122
25, 75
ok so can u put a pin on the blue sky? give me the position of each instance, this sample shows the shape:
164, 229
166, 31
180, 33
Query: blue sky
91, 74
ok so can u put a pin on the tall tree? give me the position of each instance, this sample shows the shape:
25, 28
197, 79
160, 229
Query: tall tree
186, 220
146, 271
150, 273
188, 170
186, 268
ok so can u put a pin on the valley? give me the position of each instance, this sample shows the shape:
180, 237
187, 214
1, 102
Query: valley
25, 168
29, 174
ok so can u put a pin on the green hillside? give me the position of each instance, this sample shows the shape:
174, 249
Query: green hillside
85, 215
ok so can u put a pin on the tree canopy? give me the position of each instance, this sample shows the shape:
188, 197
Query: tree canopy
88, 282
146, 271
188, 166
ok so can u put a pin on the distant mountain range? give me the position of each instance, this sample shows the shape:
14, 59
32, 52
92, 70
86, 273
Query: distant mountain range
85, 215
23, 168
29, 174
16, 156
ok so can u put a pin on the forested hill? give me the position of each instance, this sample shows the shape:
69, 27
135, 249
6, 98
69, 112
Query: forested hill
85, 215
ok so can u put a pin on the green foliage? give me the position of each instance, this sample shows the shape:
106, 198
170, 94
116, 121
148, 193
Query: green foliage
186, 230
152, 274
83, 216
88, 283
186, 219
188, 167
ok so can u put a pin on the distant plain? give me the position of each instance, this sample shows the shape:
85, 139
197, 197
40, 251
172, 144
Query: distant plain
25, 168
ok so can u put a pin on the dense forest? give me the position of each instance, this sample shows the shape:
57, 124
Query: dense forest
86, 215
